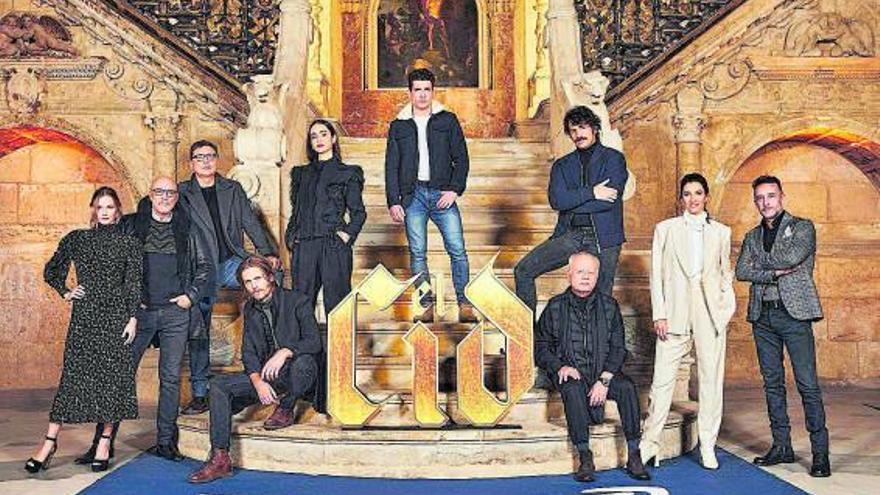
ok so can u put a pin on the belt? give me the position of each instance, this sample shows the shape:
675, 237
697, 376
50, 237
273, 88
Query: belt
777, 304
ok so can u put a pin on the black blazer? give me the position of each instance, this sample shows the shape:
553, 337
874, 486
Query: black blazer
236, 216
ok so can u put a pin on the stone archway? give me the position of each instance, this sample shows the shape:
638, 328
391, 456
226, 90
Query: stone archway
831, 176
47, 178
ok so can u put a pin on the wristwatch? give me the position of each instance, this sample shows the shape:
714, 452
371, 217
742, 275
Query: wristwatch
605, 380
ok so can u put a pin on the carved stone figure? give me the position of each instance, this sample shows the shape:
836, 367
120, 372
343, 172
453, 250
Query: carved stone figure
26, 35
262, 140
829, 35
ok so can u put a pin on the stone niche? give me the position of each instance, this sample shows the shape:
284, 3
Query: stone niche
786, 88
89, 100
473, 51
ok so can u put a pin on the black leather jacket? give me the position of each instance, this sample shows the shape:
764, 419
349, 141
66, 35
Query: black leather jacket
194, 266
336, 188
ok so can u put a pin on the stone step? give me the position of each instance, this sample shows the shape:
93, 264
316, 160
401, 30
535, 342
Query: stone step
511, 217
490, 195
490, 150
532, 440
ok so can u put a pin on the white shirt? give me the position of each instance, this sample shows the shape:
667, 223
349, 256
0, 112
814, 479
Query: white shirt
424, 163
695, 225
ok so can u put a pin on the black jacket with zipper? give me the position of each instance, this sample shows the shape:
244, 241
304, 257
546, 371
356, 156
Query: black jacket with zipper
447, 150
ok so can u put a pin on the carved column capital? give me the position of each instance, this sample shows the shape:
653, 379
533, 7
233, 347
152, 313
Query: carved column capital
689, 120
164, 119
297, 6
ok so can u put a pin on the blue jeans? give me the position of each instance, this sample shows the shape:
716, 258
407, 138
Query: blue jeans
448, 221
200, 350
773, 331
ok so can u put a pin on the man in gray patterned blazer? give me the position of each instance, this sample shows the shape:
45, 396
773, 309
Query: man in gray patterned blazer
778, 257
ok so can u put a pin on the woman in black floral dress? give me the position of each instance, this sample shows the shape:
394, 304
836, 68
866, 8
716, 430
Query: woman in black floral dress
98, 377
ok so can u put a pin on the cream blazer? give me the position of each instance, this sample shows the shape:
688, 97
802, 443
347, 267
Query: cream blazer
670, 285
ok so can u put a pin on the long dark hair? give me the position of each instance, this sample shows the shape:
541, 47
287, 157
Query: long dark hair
310, 152
100, 193
699, 179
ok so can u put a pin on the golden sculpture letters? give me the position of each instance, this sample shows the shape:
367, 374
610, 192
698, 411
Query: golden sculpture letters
500, 308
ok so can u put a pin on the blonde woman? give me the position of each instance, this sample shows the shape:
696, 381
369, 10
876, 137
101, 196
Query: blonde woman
692, 301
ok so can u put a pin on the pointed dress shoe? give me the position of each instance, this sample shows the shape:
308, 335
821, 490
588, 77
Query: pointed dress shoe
169, 452
635, 468
776, 455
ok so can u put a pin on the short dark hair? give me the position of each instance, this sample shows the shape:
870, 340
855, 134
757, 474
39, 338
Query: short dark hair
767, 179
580, 115
256, 261
310, 151
200, 144
421, 75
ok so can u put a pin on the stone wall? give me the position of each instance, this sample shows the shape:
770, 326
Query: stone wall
120, 110
758, 93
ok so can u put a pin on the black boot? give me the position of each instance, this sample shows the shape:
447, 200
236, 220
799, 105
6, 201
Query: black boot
821, 467
587, 469
89, 455
634, 467
777, 455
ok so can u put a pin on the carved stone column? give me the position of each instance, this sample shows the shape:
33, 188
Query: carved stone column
687, 124
291, 68
563, 42
539, 83
164, 120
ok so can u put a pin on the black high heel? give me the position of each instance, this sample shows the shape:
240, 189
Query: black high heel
99, 465
34, 466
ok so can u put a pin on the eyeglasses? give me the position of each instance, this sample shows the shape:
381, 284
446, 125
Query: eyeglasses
204, 157
168, 193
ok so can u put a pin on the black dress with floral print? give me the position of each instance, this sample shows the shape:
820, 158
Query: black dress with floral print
98, 376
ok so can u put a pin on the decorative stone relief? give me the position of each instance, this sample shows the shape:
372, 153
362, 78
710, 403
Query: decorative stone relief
689, 121
24, 88
127, 81
25, 35
164, 119
829, 35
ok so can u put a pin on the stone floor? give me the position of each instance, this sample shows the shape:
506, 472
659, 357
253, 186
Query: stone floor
853, 418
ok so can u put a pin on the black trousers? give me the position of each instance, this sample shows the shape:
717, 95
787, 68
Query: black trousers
323, 261
576, 403
774, 332
553, 254
231, 393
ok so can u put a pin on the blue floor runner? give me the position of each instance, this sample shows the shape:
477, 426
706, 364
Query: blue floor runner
151, 475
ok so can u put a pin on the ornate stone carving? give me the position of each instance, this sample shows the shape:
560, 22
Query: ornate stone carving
140, 61
689, 121
24, 35
262, 141
128, 82
164, 119
829, 35
24, 89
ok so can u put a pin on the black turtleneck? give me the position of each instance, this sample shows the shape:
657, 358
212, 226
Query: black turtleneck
584, 155
770, 232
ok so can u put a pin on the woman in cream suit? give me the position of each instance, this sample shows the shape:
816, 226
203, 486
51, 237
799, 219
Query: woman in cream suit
692, 301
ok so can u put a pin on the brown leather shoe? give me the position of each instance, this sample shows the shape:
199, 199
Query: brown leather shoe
218, 466
467, 313
281, 418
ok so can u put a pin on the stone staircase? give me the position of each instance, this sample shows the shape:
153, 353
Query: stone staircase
505, 210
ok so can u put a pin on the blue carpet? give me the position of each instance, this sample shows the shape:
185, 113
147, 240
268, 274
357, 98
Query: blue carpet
151, 475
